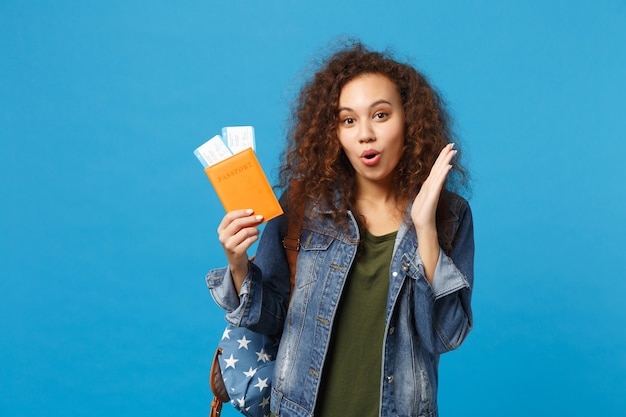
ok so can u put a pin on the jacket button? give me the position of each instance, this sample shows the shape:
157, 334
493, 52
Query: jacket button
405, 267
391, 330
390, 378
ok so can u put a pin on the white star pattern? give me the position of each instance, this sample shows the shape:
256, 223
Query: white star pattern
243, 342
230, 362
248, 371
262, 356
265, 402
226, 334
261, 383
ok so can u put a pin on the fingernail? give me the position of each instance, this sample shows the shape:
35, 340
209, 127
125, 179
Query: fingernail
259, 217
249, 211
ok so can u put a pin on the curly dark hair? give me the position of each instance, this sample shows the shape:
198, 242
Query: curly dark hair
315, 168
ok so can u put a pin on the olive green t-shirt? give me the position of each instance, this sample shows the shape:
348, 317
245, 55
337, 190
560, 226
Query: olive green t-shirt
351, 377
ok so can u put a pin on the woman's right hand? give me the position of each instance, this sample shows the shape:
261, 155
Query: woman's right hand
237, 232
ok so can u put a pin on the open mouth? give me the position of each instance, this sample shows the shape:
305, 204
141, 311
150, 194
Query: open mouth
370, 157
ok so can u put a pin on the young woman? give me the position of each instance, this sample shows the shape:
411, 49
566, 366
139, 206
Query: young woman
385, 265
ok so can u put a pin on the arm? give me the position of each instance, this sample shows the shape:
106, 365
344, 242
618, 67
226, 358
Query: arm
424, 209
444, 305
443, 301
260, 301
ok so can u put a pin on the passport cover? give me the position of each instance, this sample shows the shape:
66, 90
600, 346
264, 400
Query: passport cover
240, 183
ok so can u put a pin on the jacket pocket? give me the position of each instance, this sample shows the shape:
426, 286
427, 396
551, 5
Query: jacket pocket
314, 255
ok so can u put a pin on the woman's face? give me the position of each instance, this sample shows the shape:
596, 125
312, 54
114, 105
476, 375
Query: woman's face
371, 127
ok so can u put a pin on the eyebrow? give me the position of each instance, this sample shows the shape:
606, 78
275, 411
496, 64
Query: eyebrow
374, 104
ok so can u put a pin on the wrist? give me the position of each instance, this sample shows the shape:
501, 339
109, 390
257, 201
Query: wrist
426, 231
239, 273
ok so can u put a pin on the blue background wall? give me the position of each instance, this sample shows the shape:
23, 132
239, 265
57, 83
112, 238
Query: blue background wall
107, 222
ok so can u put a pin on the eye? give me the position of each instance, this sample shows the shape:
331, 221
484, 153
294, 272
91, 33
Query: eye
348, 121
381, 115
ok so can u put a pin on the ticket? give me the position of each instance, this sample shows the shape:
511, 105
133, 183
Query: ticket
212, 151
239, 138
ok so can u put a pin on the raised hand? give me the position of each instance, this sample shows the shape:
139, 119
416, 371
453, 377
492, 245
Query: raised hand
424, 207
237, 232
424, 211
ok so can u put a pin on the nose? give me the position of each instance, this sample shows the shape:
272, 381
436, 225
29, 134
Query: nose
366, 133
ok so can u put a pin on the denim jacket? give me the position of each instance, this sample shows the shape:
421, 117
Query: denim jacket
423, 320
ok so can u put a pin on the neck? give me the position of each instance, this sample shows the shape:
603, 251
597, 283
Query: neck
377, 193
380, 207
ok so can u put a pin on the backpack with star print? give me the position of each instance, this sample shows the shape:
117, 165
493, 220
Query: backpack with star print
247, 367
243, 364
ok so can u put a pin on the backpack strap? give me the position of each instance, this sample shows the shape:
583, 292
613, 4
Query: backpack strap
291, 243
220, 394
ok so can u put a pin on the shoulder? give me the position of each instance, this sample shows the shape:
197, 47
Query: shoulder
456, 222
456, 206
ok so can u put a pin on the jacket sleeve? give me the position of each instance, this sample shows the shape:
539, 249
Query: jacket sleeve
261, 304
443, 313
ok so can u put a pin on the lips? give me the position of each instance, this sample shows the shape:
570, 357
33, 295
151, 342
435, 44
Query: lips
370, 157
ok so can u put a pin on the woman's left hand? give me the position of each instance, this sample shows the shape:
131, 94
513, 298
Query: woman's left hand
424, 211
424, 207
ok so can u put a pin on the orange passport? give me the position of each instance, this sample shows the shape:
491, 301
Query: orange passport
240, 183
